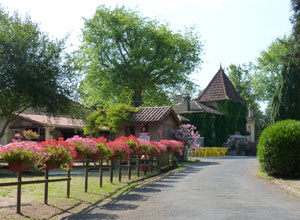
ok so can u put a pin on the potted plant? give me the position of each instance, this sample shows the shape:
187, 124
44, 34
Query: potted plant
30, 135
120, 150
57, 154
84, 147
103, 151
21, 156
132, 142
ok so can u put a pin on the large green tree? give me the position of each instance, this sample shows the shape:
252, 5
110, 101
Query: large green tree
286, 103
34, 71
267, 71
132, 59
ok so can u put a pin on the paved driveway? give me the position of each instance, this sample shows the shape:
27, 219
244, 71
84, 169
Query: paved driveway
213, 189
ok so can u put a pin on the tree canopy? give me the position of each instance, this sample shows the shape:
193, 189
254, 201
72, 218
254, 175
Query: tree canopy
266, 77
111, 116
286, 103
34, 70
128, 58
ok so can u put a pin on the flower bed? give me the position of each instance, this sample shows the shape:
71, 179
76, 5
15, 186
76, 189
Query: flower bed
120, 150
103, 152
60, 154
21, 156
132, 142
57, 154
85, 147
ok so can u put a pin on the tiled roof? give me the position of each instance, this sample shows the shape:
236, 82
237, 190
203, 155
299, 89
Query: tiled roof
153, 114
208, 109
62, 122
220, 88
195, 107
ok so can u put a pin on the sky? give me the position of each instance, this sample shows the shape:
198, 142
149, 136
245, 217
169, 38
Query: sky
232, 31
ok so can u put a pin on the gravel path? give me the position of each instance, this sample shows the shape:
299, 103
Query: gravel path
210, 190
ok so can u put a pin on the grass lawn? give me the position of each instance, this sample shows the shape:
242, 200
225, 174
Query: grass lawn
59, 206
291, 186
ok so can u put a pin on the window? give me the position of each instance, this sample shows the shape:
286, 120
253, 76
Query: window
130, 130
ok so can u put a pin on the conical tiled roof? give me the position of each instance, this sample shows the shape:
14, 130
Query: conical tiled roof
220, 88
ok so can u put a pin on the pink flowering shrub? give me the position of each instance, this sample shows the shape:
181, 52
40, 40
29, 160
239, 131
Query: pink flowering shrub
103, 151
173, 146
169, 144
178, 147
26, 151
30, 135
57, 153
144, 146
18, 137
83, 145
162, 147
132, 142
188, 134
120, 150
154, 149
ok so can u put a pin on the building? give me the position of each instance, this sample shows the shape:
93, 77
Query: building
151, 123
46, 126
208, 114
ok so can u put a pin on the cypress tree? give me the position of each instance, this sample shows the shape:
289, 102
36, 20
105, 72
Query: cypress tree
286, 103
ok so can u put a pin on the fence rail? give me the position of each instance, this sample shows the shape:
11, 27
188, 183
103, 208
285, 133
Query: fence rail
161, 162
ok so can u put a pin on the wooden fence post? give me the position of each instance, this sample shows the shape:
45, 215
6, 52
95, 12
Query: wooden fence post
69, 183
144, 164
19, 191
120, 170
101, 173
46, 187
86, 176
129, 169
158, 163
137, 166
111, 171
151, 164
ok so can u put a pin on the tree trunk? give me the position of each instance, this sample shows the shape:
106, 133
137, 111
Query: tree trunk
2, 132
137, 97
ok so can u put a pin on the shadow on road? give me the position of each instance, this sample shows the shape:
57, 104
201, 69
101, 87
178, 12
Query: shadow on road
92, 216
132, 199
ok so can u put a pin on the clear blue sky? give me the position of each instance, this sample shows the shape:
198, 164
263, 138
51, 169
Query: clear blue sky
233, 31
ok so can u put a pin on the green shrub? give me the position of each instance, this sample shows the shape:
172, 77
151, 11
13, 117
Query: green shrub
279, 149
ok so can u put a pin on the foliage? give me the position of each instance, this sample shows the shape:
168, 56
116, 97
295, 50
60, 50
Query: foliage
266, 77
236, 113
30, 135
154, 149
103, 151
134, 55
25, 151
57, 152
83, 145
242, 79
132, 142
279, 150
112, 116
34, 70
217, 128
120, 150
240, 76
286, 103
188, 134
173, 146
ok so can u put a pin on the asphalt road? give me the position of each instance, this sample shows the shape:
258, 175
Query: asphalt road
210, 190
